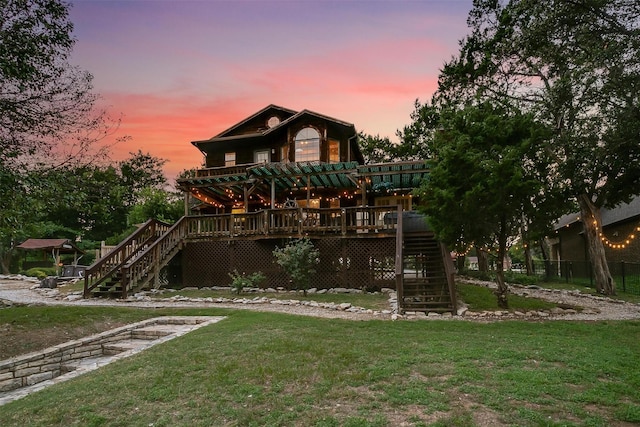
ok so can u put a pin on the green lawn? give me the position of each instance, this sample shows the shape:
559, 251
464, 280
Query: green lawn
263, 369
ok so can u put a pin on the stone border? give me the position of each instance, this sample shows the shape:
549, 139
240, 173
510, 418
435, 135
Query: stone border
64, 361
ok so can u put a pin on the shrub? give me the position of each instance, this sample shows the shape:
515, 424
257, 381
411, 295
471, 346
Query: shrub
521, 279
298, 259
40, 272
241, 281
510, 277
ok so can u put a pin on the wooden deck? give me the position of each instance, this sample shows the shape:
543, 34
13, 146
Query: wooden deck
136, 262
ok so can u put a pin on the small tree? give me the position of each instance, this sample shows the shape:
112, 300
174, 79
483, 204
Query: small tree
482, 180
241, 281
298, 259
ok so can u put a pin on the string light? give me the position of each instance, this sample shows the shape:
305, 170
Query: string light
466, 251
621, 244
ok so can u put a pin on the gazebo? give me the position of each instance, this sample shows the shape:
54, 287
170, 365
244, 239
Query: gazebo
53, 246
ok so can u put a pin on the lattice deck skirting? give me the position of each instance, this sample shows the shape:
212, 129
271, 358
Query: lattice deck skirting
363, 263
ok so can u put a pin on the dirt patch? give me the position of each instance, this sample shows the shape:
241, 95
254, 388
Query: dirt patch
18, 340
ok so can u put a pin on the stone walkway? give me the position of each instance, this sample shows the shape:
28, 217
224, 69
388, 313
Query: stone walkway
576, 305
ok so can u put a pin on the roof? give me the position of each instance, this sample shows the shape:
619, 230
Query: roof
622, 212
228, 134
64, 245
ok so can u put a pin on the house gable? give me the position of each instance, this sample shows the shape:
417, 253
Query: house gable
269, 135
259, 122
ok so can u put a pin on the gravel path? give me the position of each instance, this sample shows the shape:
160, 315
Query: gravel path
587, 307
27, 292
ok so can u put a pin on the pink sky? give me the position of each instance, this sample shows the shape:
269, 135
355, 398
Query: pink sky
179, 71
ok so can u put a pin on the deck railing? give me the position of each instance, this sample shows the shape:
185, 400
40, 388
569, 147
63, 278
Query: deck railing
293, 221
106, 267
153, 255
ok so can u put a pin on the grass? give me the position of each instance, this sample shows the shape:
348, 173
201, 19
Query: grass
27, 329
480, 298
585, 289
265, 369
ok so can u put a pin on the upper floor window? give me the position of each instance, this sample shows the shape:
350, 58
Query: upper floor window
261, 156
307, 145
229, 159
334, 151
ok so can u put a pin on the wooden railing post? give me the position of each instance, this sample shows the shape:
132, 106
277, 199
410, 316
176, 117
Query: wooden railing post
156, 266
125, 281
265, 222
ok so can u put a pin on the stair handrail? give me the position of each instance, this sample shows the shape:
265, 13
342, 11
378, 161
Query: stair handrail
450, 273
108, 265
149, 259
399, 267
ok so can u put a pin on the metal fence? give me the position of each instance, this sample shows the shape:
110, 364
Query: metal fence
625, 274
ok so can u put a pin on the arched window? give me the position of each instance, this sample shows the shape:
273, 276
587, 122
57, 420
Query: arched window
307, 145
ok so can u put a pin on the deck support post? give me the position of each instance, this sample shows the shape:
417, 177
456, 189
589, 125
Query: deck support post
273, 193
246, 198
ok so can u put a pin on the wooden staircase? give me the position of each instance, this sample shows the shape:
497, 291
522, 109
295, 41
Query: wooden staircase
426, 282
132, 264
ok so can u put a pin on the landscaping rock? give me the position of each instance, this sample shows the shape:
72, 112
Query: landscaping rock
49, 282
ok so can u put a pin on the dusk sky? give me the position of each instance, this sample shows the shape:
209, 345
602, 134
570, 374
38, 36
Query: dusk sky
179, 71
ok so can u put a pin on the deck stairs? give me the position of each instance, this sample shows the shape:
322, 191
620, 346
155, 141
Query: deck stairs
426, 284
134, 263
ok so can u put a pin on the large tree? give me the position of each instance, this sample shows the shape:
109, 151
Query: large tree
483, 179
48, 112
49, 115
96, 200
576, 65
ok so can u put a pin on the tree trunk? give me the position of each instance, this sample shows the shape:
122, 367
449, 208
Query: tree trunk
483, 264
502, 290
4, 266
528, 261
5, 259
545, 256
592, 223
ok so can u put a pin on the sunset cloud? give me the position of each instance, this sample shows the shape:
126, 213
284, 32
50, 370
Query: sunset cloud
179, 72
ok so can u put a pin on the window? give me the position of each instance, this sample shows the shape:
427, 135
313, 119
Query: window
273, 121
307, 145
229, 159
261, 156
334, 151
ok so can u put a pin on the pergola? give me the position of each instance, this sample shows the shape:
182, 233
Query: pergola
266, 181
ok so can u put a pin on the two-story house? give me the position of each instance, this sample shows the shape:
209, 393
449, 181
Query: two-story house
279, 175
